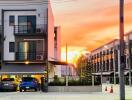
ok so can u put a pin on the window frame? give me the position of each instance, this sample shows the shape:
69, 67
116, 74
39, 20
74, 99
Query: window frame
11, 20
11, 46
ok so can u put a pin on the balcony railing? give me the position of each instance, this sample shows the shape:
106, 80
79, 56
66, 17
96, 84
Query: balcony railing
30, 29
31, 56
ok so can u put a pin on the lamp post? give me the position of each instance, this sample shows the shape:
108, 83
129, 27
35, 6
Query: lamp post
66, 68
122, 47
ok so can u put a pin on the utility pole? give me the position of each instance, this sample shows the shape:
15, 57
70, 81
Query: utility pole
66, 68
122, 48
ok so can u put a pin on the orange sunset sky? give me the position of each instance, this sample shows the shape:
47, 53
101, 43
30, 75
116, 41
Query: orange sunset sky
88, 24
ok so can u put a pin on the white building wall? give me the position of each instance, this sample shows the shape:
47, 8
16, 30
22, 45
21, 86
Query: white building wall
50, 34
59, 42
41, 18
57, 51
42, 10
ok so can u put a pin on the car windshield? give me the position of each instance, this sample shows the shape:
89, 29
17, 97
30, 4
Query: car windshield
27, 79
8, 79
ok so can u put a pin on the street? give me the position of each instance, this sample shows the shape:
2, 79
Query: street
68, 96
55, 96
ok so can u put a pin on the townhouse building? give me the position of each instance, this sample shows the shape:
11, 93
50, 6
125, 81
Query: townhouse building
104, 61
27, 37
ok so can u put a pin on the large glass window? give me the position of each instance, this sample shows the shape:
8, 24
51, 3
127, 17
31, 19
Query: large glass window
27, 24
27, 50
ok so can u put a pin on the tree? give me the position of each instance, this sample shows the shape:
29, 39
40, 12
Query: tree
84, 68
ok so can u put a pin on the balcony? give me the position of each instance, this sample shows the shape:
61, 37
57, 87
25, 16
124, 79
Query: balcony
30, 30
31, 56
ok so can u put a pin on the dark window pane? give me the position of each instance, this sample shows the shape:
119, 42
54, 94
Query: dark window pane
27, 79
30, 52
11, 20
27, 24
11, 47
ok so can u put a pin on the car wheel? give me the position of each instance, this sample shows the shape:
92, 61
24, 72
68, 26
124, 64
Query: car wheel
25, 90
35, 89
0, 90
20, 90
15, 89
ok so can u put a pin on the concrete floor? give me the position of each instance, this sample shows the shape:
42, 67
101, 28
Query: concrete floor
105, 95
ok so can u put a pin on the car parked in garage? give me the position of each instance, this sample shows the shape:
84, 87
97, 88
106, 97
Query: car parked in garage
29, 83
8, 84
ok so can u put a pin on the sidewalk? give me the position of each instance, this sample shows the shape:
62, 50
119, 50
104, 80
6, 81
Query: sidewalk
55, 96
128, 91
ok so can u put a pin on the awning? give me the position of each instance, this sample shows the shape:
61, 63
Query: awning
107, 73
58, 63
96, 73
23, 69
125, 72
103, 73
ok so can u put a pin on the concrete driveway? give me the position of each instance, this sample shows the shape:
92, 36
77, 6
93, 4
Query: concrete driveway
105, 95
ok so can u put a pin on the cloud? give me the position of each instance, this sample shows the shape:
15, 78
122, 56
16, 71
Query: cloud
82, 28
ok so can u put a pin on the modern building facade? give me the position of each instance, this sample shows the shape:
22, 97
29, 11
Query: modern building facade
27, 37
105, 61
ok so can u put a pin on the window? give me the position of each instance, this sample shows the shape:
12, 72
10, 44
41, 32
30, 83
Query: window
11, 20
11, 47
27, 24
26, 50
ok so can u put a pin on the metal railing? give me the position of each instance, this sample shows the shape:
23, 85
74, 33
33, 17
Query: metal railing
30, 29
31, 56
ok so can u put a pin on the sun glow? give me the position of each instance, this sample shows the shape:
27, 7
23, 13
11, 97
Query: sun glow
73, 54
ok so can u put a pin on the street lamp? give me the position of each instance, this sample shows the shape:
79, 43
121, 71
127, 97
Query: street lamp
66, 67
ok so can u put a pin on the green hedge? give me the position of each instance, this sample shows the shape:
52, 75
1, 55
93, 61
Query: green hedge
79, 83
57, 83
73, 83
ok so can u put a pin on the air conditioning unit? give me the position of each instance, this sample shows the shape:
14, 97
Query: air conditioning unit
39, 57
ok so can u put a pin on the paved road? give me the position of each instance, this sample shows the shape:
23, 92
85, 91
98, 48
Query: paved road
66, 96
55, 96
